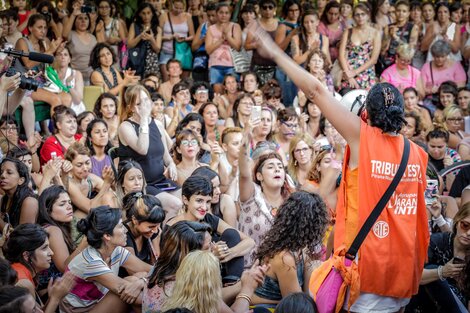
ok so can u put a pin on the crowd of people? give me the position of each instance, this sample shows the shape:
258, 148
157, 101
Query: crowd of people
234, 148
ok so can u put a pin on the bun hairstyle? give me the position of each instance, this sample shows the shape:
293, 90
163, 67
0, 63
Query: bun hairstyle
100, 221
385, 107
144, 208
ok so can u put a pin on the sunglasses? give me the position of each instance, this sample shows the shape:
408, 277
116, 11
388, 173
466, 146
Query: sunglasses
464, 226
268, 7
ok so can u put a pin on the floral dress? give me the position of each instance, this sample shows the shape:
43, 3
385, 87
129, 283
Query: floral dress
357, 56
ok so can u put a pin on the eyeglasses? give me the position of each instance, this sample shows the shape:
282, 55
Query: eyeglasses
190, 143
183, 92
290, 125
104, 7
268, 7
404, 61
302, 151
360, 15
9, 128
455, 119
464, 226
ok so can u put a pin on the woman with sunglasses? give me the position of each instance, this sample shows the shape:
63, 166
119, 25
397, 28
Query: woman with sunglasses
401, 74
445, 267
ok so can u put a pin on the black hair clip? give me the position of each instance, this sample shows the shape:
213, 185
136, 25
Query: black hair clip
388, 96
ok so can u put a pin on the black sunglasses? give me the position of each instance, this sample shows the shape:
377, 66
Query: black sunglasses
268, 7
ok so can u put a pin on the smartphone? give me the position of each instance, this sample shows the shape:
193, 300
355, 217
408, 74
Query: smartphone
255, 112
87, 9
430, 194
457, 260
165, 186
324, 144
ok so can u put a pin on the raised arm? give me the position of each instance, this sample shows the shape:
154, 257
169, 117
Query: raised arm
347, 124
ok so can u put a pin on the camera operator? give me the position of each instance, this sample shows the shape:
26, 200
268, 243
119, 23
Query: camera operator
37, 41
54, 24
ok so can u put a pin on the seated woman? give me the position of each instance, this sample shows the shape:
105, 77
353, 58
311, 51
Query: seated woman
69, 80
86, 190
454, 123
301, 153
28, 251
143, 140
412, 103
197, 286
19, 204
231, 245
106, 108
401, 74
83, 119
130, 178
98, 286
55, 217
210, 113
104, 75
444, 268
222, 205
291, 246
65, 124
180, 239
186, 153
98, 142
195, 122
31, 160
241, 111
144, 214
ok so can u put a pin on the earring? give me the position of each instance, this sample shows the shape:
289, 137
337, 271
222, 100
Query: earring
295, 163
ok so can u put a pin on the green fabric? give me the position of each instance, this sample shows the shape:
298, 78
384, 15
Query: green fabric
184, 55
52, 75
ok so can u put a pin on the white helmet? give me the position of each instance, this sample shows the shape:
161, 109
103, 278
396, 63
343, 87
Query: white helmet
355, 101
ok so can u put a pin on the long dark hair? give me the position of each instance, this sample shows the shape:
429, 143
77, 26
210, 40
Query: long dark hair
138, 20
12, 299
191, 117
46, 201
89, 129
385, 107
24, 238
177, 241
97, 107
299, 224
236, 104
144, 208
21, 193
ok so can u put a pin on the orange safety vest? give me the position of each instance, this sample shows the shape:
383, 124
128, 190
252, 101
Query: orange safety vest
392, 257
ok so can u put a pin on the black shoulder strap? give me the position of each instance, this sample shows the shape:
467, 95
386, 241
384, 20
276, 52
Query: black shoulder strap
171, 24
374, 215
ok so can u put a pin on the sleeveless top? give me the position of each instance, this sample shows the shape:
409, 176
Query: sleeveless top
105, 78
450, 34
152, 162
76, 107
80, 52
270, 288
220, 56
202, 47
242, 59
98, 166
180, 29
404, 33
19, 66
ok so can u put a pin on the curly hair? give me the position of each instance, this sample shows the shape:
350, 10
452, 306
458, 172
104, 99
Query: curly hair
300, 223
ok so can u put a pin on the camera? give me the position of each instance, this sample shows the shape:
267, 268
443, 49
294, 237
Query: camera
87, 8
26, 83
47, 15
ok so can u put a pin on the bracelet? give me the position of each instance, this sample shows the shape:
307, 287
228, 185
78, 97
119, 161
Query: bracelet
439, 273
144, 130
146, 281
244, 296
440, 221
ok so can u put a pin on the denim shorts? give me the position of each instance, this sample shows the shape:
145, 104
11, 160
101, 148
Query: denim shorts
164, 57
217, 73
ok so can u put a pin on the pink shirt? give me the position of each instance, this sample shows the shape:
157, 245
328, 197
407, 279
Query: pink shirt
453, 73
222, 55
392, 76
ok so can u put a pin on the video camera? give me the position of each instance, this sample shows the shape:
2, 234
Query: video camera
26, 83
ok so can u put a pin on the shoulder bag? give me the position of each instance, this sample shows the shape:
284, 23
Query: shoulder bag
182, 51
329, 282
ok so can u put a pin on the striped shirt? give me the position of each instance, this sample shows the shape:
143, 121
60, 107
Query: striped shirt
87, 264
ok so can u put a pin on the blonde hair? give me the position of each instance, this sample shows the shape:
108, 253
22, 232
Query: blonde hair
451, 109
129, 99
314, 173
291, 166
405, 51
198, 285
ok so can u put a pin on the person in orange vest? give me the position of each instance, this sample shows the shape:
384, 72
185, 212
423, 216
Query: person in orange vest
391, 259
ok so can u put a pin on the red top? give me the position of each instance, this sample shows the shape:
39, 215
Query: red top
52, 144
23, 272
